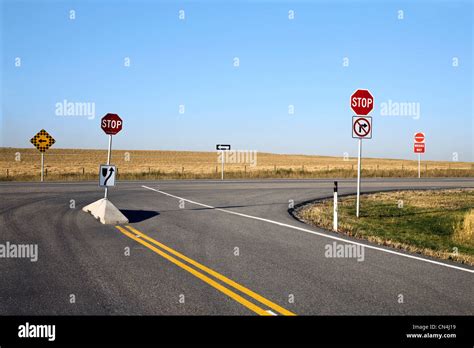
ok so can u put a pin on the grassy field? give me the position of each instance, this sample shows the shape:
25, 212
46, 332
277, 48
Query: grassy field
437, 223
77, 164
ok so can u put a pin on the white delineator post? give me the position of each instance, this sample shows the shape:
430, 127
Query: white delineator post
42, 166
419, 166
358, 177
108, 160
334, 224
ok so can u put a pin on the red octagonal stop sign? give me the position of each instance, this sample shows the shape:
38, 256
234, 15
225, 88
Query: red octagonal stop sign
111, 124
362, 102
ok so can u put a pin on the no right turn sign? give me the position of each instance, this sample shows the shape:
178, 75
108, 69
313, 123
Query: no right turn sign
362, 127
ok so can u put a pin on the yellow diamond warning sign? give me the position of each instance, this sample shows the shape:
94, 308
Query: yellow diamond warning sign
42, 140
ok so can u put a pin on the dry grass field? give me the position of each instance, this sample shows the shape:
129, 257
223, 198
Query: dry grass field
78, 164
438, 223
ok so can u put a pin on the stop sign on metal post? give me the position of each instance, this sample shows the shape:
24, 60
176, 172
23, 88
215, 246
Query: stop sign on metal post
111, 124
362, 102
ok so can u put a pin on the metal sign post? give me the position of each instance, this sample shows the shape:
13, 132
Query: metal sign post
358, 177
103, 209
334, 223
362, 103
419, 148
42, 141
419, 165
222, 148
222, 173
361, 129
109, 153
111, 124
42, 166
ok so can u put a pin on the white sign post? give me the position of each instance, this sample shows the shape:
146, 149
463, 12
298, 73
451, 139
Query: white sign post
419, 166
362, 103
108, 164
222, 148
222, 171
103, 209
42, 141
419, 148
361, 129
358, 177
42, 166
334, 223
111, 124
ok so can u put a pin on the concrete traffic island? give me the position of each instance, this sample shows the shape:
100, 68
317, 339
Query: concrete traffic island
106, 212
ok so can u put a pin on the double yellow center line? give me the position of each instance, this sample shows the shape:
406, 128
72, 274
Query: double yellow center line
166, 253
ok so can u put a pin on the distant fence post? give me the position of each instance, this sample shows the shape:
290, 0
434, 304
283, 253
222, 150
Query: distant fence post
83, 171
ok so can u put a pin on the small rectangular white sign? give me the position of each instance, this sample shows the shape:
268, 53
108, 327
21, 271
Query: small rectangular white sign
362, 127
107, 175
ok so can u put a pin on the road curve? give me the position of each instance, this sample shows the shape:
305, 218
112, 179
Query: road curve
241, 230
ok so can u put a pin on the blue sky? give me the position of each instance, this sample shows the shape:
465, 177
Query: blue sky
282, 62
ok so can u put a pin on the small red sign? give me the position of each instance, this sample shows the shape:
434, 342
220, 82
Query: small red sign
362, 102
419, 148
111, 124
419, 137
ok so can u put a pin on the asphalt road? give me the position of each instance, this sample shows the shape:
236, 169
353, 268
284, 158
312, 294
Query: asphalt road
240, 229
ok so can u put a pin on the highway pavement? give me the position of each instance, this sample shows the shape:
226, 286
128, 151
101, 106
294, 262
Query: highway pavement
211, 248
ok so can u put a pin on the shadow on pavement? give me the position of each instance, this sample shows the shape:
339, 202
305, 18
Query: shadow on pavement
139, 215
228, 207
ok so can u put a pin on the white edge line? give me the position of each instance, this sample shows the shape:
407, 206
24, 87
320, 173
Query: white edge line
314, 232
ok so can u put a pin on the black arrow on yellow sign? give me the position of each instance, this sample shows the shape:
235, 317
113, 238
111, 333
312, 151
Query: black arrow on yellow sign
42, 140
